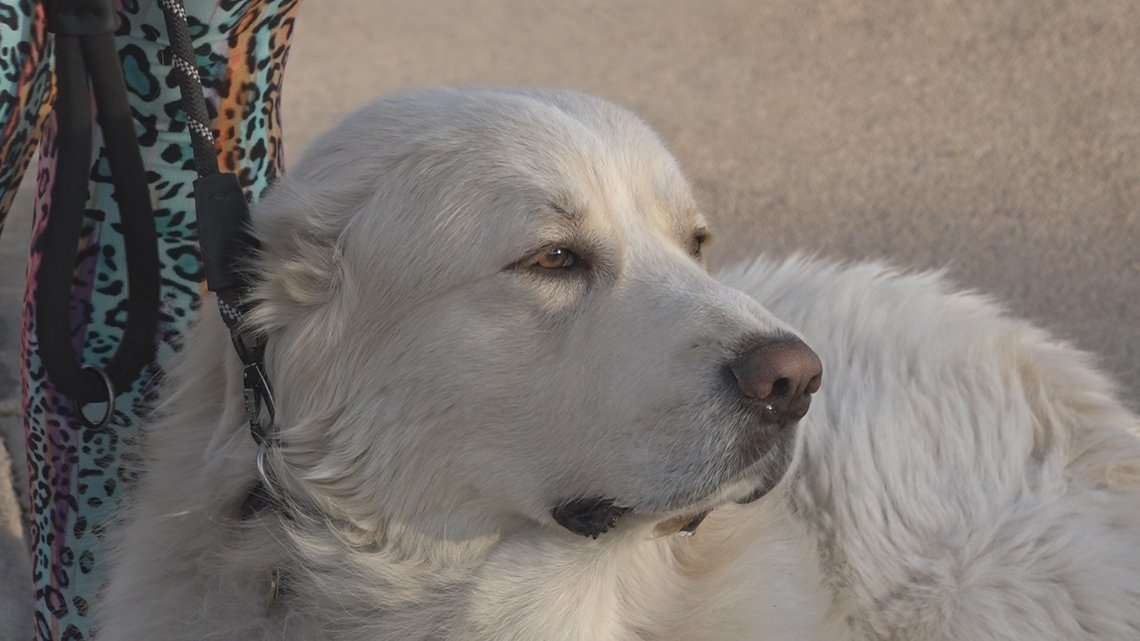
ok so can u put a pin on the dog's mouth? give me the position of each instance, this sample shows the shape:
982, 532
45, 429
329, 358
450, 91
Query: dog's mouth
760, 463
589, 517
593, 517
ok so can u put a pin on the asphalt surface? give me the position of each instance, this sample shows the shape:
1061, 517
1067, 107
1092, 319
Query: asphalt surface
999, 139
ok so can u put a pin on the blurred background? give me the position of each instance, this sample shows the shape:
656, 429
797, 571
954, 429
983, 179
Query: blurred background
999, 139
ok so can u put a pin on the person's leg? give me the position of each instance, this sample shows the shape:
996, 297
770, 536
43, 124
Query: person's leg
15, 594
25, 100
25, 92
77, 474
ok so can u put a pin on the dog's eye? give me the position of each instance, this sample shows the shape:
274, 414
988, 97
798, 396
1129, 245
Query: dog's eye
556, 258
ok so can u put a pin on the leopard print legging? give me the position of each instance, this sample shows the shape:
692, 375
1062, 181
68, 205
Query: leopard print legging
76, 475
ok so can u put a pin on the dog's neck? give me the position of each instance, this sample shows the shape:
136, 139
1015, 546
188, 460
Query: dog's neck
524, 582
539, 582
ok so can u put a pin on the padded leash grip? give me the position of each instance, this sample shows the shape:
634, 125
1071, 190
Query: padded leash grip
223, 231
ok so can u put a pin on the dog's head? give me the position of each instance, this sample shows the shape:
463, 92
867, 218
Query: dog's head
495, 300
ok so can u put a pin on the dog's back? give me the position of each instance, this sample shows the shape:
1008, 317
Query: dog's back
964, 475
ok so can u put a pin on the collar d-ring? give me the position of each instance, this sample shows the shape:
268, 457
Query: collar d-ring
110, 411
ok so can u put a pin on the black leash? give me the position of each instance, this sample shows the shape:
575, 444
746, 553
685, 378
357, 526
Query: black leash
87, 62
86, 51
223, 229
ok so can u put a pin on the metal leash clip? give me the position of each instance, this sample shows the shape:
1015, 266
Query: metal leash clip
257, 394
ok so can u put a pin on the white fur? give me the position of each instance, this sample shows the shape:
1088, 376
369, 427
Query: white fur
960, 475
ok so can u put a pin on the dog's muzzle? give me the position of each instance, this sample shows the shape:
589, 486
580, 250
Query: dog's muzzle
775, 380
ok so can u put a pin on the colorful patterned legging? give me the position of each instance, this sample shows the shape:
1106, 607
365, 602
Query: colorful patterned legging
76, 475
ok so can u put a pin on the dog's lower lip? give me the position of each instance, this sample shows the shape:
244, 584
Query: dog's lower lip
762, 439
754, 495
757, 446
766, 464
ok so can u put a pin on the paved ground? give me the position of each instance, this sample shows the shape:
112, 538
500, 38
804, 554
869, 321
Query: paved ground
1000, 138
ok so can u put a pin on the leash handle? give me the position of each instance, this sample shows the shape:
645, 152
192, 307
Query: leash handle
87, 64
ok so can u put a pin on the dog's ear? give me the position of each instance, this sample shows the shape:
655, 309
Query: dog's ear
299, 266
1075, 408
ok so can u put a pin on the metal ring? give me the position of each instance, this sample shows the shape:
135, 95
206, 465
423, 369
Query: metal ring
110, 401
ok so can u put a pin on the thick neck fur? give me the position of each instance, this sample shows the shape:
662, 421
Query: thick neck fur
529, 584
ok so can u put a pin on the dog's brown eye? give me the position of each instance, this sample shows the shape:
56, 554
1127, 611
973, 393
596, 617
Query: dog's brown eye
556, 258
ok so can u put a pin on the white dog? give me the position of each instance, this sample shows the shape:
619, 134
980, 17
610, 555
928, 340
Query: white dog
513, 405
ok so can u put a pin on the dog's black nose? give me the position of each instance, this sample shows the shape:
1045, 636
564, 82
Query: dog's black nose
777, 378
